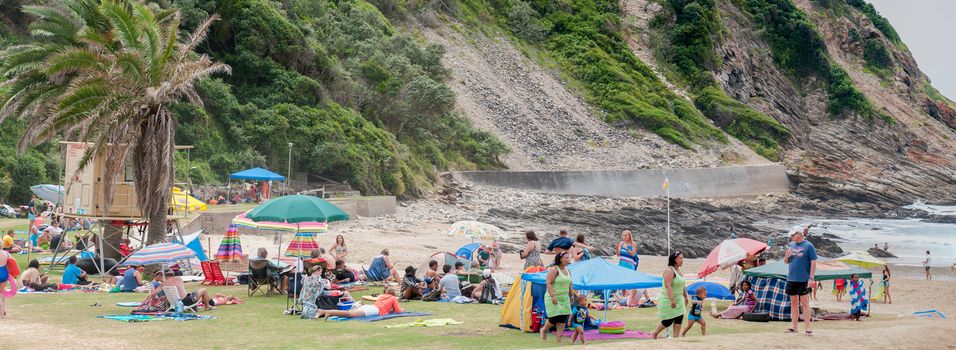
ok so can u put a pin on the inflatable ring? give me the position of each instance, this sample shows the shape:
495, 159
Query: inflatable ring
12, 291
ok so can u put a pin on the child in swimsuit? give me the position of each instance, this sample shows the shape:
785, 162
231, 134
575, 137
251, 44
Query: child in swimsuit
579, 316
695, 312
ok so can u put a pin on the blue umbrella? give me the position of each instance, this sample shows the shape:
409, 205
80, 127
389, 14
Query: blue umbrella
714, 290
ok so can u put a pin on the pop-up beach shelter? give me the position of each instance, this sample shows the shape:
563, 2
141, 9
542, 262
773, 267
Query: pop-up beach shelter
195, 244
770, 284
594, 275
257, 173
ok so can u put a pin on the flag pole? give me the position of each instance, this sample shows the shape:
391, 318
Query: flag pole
667, 187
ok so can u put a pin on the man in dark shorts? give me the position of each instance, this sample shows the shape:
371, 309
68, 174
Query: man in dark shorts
802, 260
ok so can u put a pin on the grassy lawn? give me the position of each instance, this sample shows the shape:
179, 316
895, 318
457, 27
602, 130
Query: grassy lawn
260, 323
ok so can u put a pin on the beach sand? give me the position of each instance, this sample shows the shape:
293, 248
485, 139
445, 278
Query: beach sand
411, 241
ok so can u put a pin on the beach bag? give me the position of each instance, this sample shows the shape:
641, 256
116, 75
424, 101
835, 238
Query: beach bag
535, 320
487, 292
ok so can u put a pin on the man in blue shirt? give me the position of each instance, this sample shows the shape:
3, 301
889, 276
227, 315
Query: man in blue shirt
802, 260
73, 274
560, 244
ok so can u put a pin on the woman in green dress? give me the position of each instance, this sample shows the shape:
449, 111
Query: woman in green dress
672, 303
558, 302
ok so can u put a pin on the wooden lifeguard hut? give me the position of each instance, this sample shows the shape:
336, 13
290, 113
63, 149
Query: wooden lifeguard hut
85, 198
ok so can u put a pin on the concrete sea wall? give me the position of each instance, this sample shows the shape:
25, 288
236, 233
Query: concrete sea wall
733, 181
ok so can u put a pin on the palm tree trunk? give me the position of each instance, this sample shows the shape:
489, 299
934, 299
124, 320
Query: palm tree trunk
112, 234
156, 232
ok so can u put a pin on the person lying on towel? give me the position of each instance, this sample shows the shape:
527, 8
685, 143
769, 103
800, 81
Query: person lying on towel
387, 304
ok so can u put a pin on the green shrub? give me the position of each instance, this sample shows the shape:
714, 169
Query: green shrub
526, 23
758, 131
878, 20
876, 56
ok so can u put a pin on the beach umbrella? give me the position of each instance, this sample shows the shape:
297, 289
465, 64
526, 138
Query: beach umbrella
296, 209
302, 245
52, 193
729, 252
182, 201
475, 230
861, 259
160, 253
242, 220
230, 249
714, 290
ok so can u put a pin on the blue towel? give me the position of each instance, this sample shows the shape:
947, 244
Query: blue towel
130, 318
184, 317
378, 318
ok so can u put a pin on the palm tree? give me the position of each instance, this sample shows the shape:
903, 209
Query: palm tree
105, 72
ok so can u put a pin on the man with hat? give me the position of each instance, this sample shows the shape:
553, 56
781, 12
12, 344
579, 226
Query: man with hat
802, 260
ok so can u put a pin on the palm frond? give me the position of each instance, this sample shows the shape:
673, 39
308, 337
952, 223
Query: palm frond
75, 59
198, 36
123, 24
52, 24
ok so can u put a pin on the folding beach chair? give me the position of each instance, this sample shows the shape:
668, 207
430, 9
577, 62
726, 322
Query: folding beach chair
173, 297
212, 274
260, 280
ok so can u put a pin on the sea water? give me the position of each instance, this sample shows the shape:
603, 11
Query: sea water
908, 239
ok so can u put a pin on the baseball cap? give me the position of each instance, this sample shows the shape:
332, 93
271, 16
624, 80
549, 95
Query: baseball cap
796, 229
486, 273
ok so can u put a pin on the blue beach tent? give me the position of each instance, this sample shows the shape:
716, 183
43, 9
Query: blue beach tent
595, 274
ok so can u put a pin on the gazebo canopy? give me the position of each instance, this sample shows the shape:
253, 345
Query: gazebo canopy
257, 174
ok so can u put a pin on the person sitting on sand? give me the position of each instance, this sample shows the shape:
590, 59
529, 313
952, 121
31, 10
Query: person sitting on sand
431, 275
460, 269
411, 286
132, 278
32, 278
171, 280
746, 302
341, 273
381, 268
387, 303
487, 290
73, 274
484, 257
8, 244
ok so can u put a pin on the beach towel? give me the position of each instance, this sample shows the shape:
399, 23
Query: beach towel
129, 304
594, 334
130, 318
437, 322
378, 318
184, 317
858, 301
877, 291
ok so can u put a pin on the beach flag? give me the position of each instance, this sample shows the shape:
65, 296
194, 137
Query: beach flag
667, 183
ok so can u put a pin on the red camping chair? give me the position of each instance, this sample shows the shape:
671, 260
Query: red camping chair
212, 273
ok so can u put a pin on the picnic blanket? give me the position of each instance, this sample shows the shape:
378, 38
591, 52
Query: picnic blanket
437, 322
378, 318
594, 334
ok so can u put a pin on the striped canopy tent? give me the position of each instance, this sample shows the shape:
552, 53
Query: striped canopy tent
230, 249
160, 253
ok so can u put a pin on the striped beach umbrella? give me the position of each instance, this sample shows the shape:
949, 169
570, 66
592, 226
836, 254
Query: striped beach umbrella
160, 253
475, 230
230, 249
242, 220
302, 245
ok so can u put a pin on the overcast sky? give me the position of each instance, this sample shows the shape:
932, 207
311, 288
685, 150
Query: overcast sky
928, 28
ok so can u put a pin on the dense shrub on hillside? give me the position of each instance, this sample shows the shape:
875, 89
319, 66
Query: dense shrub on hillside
800, 50
878, 20
692, 29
